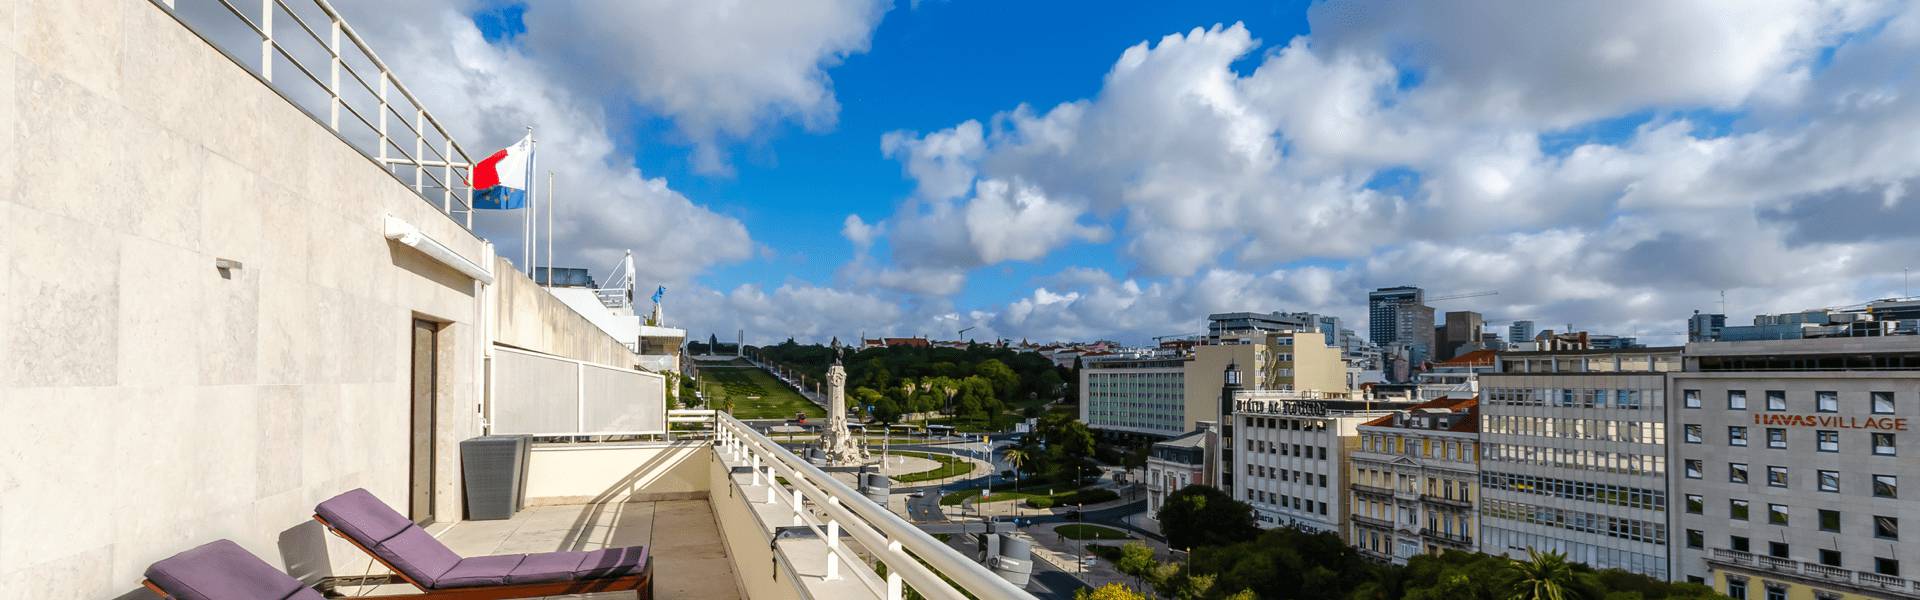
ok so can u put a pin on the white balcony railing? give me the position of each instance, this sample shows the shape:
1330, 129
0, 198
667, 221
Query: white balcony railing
335, 71
827, 508
1818, 572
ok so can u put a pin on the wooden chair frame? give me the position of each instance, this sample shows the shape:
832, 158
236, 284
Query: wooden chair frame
641, 583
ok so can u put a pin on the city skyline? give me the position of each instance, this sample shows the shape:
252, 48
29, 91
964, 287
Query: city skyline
878, 167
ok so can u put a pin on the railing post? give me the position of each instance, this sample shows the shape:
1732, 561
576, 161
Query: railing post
419, 147
756, 469
266, 40
894, 584
773, 486
333, 77
446, 175
799, 507
833, 541
384, 112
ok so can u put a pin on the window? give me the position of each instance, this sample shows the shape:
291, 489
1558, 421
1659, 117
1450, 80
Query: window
1829, 440
1776, 437
1777, 549
1886, 486
1829, 481
1882, 402
1690, 398
1776, 591
1737, 509
1777, 514
1886, 527
1695, 504
1829, 557
1829, 520
1693, 468
1826, 402
1693, 434
1887, 566
1776, 476
1739, 543
1737, 472
1776, 400
1737, 588
1883, 444
1736, 400
1736, 435
1696, 538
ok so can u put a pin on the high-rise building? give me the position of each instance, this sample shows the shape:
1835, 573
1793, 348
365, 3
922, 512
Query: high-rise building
1520, 331
1142, 393
1460, 334
1290, 450
1705, 327
1788, 466
1221, 324
1573, 456
1415, 476
1384, 312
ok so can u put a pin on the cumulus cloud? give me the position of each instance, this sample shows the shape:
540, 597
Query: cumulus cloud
1610, 168
722, 70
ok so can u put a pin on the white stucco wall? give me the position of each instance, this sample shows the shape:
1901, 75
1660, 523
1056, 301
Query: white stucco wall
149, 403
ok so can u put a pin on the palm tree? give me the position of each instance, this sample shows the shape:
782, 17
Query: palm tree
1543, 576
1016, 456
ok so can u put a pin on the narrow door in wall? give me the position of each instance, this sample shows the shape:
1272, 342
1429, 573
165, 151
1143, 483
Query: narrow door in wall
425, 367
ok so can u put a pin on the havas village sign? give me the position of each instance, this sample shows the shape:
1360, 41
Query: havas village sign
1833, 422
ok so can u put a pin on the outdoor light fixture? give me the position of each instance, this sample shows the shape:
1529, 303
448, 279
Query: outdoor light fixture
227, 264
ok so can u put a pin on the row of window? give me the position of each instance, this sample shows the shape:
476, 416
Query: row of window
1879, 403
1825, 440
1293, 450
1576, 398
1607, 430
1574, 520
1599, 493
1739, 509
1286, 475
1286, 424
1306, 505
1628, 463
1454, 450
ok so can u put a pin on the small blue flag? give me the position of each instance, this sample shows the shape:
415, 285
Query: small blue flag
658, 293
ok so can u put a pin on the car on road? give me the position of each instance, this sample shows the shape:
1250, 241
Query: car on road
918, 494
1089, 561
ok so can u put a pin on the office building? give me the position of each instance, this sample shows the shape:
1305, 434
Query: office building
1177, 463
1574, 458
1384, 313
1290, 451
1141, 393
1705, 327
1520, 331
1790, 456
1225, 324
1459, 334
1415, 477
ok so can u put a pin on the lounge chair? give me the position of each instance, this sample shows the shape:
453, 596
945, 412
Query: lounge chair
423, 561
222, 570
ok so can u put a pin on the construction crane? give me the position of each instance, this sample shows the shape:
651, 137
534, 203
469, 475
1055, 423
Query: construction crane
963, 333
1464, 295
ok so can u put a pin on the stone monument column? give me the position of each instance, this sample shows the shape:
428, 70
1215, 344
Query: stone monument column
837, 441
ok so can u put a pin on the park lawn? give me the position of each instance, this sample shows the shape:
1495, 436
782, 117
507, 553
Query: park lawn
756, 394
1032, 490
1081, 531
950, 466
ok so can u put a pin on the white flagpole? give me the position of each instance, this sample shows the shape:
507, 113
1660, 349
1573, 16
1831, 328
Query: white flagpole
533, 202
549, 229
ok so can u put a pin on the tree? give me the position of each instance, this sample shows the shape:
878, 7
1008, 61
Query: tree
1016, 456
886, 410
1199, 515
1111, 591
1004, 380
862, 397
1136, 560
1543, 576
1048, 384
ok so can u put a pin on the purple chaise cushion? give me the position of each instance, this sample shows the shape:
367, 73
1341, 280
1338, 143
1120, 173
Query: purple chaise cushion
547, 567
363, 517
222, 570
480, 570
612, 562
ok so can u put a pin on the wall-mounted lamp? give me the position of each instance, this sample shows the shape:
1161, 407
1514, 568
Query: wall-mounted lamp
227, 264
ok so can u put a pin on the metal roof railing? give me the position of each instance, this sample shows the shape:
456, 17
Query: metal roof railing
335, 73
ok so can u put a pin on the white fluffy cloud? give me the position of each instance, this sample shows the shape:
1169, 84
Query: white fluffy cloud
1466, 146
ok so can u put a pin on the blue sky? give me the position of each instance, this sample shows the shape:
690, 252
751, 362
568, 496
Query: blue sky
1073, 170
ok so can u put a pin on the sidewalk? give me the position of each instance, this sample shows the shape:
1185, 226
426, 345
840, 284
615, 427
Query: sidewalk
1062, 552
1009, 508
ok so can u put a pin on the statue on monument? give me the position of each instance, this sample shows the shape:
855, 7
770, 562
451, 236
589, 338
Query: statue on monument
837, 442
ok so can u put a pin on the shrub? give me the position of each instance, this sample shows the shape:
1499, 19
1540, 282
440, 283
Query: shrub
1040, 502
